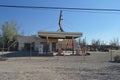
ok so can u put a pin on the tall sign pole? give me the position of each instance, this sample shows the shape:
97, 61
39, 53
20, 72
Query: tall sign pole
60, 21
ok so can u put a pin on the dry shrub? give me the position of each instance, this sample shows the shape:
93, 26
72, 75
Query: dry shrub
3, 59
117, 58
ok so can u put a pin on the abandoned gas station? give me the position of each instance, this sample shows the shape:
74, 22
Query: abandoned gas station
47, 41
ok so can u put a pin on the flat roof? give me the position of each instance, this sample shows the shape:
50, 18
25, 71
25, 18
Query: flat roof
59, 35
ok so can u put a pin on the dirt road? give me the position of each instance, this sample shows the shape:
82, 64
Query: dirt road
94, 67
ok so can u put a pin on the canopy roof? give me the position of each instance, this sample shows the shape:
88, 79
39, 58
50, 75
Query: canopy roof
59, 35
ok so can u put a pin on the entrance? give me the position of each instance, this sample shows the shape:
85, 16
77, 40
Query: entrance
27, 46
45, 47
54, 47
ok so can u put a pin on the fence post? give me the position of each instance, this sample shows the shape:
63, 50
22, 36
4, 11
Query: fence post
30, 50
3, 48
73, 45
111, 55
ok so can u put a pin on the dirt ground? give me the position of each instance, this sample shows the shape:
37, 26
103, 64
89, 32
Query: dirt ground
97, 66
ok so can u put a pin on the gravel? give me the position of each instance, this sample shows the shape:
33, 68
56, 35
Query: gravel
93, 67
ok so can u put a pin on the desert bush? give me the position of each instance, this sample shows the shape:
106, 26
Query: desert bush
117, 58
3, 59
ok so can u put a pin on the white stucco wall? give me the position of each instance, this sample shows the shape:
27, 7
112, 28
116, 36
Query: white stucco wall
27, 39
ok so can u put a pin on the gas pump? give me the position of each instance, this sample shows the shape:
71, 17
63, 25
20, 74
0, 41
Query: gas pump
59, 51
78, 50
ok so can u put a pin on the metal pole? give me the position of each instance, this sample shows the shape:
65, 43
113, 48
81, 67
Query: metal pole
30, 50
85, 46
3, 47
72, 46
46, 44
111, 55
66, 45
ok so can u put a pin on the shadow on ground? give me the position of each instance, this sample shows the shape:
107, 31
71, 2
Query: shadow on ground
26, 54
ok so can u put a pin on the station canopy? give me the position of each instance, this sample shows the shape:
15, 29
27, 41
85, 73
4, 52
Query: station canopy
59, 35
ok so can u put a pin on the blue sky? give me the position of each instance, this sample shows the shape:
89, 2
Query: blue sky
94, 25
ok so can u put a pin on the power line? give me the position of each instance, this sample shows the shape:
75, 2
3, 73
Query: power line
62, 8
100, 12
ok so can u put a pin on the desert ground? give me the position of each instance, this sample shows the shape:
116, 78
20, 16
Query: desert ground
97, 66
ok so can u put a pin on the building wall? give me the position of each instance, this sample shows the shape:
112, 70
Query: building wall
27, 39
33, 39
